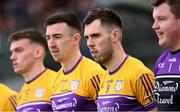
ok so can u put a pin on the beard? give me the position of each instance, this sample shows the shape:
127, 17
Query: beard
105, 54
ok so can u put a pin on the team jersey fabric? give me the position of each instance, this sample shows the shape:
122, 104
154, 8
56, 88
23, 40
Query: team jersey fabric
128, 88
77, 88
167, 90
35, 95
7, 99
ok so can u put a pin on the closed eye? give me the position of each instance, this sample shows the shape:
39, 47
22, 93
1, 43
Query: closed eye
57, 35
161, 18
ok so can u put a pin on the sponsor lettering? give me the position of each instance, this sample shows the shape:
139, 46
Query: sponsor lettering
59, 105
108, 108
165, 87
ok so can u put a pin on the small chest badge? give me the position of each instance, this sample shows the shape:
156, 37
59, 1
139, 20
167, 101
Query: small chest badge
119, 85
39, 93
74, 85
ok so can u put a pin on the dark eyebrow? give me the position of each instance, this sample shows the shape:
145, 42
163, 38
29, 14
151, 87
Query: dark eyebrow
58, 34
16, 49
92, 35
95, 34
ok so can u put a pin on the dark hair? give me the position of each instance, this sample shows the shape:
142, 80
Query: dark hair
31, 34
69, 18
106, 16
173, 4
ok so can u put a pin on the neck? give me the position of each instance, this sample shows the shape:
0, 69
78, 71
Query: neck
176, 48
118, 57
33, 72
70, 61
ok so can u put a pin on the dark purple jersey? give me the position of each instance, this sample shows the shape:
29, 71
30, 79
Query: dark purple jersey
167, 90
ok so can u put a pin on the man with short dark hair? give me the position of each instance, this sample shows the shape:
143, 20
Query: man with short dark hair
129, 84
167, 69
77, 83
28, 49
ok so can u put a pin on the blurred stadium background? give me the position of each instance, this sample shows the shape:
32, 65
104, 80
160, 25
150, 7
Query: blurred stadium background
139, 39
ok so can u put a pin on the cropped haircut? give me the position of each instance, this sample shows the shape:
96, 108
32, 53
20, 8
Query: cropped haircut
69, 18
173, 4
106, 16
32, 34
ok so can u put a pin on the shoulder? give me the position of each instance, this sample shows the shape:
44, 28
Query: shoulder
92, 65
90, 68
163, 56
89, 62
48, 75
137, 68
160, 59
50, 72
6, 91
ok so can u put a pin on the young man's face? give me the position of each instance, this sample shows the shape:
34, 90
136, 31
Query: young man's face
99, 41
166, 27
22, 55
60, 41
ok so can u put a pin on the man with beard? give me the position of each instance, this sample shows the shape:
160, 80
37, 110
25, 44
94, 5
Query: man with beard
129, 84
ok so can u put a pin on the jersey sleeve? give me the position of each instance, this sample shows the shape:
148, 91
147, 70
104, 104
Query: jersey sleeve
91, 84
144, 88
8, 99
11, 103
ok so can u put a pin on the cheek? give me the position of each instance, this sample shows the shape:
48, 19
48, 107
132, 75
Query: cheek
28, 57
172, 32
105, 46
170, 27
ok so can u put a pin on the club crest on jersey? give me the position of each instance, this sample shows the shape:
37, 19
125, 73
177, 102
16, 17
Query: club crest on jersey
74, 85
119, 85
39, 93
161, 65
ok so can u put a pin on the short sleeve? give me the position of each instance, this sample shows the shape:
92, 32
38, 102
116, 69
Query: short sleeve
144, 90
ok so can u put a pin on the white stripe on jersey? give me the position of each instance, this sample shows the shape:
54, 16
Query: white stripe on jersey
33, 103
168, 76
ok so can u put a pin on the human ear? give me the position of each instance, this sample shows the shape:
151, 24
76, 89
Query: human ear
116, 34
38, 52
76, 38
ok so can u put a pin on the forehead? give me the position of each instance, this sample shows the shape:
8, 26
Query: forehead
93, 27
19, 43
161, 10
58, 27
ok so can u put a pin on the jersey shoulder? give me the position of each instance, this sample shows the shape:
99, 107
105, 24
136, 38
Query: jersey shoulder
137, 68
6, 91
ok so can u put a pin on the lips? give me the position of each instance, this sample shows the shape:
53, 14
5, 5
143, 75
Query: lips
159, 34
55, 52
15, 65
93, 52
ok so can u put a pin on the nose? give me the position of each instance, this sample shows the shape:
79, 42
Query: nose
51, 42
90, 43
13, 56
155, 26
